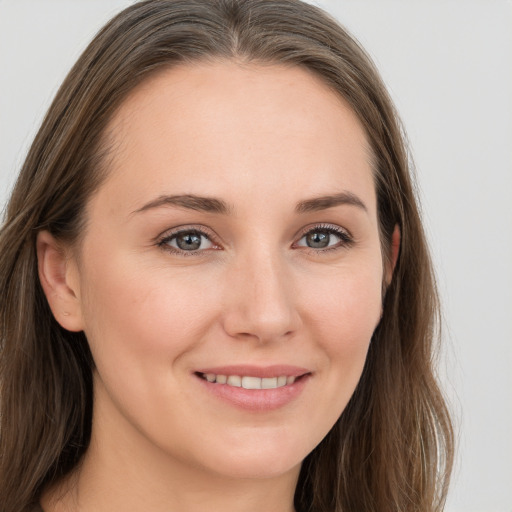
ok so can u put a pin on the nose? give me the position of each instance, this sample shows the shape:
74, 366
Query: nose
260, 299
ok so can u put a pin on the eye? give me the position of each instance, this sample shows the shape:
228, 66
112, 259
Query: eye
187, 240
325, 237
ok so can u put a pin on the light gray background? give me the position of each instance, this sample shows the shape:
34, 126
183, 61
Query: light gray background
448, 65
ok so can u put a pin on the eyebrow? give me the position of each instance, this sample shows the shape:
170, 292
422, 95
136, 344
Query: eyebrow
189, 201
325, 202
218, 206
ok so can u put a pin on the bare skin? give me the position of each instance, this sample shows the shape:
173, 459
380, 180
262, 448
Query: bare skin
265, 274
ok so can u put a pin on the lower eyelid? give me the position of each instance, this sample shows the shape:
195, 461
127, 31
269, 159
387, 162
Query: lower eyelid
345, 239
165, 240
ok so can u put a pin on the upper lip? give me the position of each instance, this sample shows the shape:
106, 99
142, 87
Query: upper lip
276, 370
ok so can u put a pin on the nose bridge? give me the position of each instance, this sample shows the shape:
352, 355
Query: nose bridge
261, 296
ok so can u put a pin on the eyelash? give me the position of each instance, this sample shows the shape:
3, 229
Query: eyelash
346, 239
169, 236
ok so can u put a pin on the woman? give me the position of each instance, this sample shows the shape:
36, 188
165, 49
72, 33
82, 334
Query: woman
216, 287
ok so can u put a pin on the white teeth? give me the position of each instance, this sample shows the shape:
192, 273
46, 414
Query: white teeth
248, 382
269, 383
251, 382
234, 380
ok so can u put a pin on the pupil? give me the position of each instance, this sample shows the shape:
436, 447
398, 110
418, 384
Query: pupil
318, 239
189, 241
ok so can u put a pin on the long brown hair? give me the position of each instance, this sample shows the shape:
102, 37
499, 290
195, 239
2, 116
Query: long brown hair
392, 448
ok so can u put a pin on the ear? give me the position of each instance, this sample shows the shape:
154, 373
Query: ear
58, 274
395, 250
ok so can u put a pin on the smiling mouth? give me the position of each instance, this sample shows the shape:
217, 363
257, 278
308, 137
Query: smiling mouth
250, 382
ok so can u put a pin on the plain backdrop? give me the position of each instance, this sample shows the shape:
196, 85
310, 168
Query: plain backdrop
448, 66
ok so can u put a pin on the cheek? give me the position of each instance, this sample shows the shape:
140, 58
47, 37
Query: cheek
150, 310
141, 330
142, 318
343, 314
345, 308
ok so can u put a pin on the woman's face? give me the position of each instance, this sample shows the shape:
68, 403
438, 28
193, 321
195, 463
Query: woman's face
234, 242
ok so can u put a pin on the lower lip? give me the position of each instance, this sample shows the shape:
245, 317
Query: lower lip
258, 400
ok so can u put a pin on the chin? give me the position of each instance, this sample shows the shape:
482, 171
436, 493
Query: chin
260, 460
260, 469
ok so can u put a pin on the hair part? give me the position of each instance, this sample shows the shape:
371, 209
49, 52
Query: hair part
392, 448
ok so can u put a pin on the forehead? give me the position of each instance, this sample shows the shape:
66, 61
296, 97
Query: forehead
254, 127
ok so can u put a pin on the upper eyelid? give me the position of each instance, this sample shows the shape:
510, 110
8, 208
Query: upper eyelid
325, 226
169, 233
162, 241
